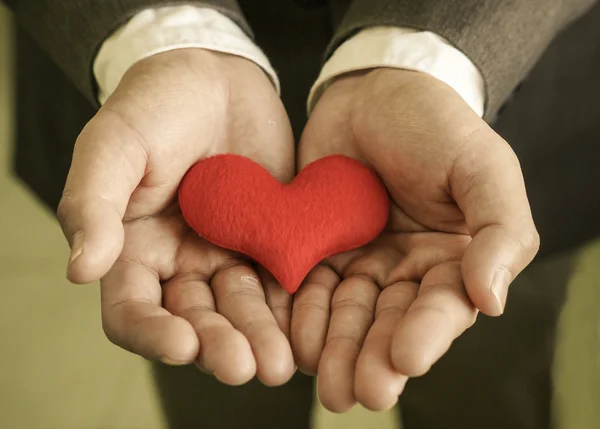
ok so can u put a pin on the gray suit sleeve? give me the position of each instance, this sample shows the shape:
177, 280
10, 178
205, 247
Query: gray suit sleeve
504, 39
72, 31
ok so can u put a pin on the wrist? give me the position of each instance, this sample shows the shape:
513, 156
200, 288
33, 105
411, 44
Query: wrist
381, 76
194, 73
404, 49
201, 63
374, 100
166, 28
366, 87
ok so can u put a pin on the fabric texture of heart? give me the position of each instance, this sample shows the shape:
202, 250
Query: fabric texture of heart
334, 204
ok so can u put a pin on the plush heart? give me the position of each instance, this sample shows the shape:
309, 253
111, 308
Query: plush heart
335, 204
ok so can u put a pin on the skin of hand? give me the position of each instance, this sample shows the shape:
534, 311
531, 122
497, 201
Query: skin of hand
460, 230
166, 293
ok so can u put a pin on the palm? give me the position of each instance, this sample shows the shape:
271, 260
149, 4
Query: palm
417, 309
171, 295
403, 288
366, 320
185, 303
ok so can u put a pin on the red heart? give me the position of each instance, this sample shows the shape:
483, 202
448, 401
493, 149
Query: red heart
335, 204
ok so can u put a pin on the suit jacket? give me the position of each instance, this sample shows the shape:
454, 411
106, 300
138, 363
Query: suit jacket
552, 121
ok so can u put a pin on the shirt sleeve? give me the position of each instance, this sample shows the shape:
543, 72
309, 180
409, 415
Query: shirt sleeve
157, 30
504, 39
409, 49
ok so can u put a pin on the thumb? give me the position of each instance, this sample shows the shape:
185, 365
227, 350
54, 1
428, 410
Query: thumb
488, 186
108, 164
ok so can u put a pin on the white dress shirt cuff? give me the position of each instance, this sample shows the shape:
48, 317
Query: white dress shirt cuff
404, 49
153, 31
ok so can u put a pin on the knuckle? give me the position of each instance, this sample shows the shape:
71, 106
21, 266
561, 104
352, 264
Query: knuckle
322, 276
64, 207
244, 293
311, 307
258, 327
352, 304
65, 211
279, 309
353, 341
413, 364
370, 268
196, 309
441, 313
530, 242
471, 319
392, 312
109, 330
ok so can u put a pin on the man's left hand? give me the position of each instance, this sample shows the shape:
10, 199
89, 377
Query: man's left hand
460, 231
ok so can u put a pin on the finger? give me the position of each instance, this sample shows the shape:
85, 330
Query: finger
132, 317
278, 300
441, 312
108, 163
488, 186
310, 317
224, 351
378, 384
352, 313
240, 298
375, 262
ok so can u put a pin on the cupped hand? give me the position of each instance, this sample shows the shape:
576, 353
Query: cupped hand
166, 293
460, 230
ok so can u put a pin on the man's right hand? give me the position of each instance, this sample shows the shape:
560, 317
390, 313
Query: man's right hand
166, 293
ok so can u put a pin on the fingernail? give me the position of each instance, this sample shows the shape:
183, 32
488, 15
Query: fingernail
77, 248
203, 369
171, 362
499, 287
